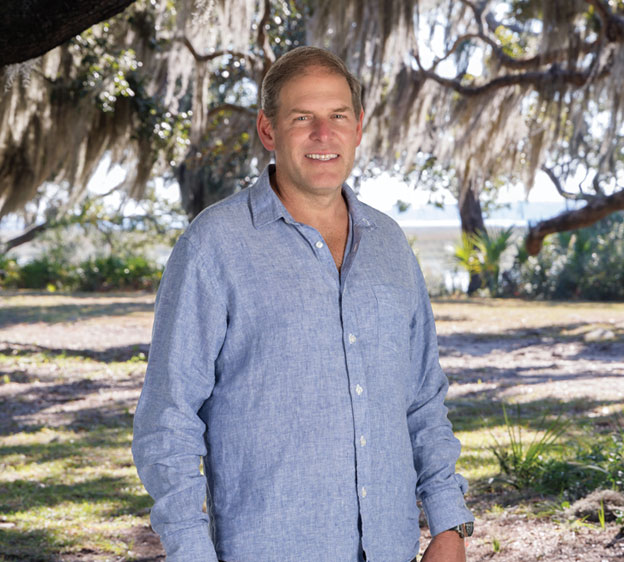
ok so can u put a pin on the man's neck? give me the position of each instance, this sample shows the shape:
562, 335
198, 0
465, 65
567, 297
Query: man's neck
316, 210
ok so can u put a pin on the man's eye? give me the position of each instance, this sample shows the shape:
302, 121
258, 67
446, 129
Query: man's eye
301, 118
339, 116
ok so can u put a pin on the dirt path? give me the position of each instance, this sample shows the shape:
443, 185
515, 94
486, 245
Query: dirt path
572, 356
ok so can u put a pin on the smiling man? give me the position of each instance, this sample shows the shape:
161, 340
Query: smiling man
294, 353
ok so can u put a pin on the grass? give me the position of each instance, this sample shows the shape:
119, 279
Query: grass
67, 481
67, 491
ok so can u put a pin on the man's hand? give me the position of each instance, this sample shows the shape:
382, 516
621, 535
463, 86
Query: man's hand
448, 546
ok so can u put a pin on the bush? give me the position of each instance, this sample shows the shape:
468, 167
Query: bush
113, 272
9, 272
95, 274
586, 264
480, 254
551, 467
44, 273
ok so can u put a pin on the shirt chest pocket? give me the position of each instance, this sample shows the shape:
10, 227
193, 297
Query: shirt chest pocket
394, 315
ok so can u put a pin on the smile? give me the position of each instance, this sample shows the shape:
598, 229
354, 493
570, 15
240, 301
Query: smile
323, 157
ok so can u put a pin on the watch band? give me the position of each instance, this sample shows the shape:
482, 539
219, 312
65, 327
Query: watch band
464, 529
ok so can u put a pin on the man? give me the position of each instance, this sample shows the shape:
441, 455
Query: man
294, 351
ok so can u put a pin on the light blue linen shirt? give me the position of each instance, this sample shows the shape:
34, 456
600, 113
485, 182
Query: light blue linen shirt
314, 397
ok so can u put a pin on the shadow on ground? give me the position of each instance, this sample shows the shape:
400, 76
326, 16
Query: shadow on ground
54, 314
108, 355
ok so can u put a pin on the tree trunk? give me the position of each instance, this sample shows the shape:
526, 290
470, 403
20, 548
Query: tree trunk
595, 210
471, 223
202, 184
30, 28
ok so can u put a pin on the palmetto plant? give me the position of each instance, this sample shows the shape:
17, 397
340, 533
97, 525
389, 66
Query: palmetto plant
480, 254
522, 463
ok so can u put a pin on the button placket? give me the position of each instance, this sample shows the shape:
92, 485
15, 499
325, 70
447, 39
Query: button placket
355, 352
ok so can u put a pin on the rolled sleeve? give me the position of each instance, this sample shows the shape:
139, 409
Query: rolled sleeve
435, 448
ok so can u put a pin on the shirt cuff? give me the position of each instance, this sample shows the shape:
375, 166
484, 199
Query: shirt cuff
445, 510
190, 545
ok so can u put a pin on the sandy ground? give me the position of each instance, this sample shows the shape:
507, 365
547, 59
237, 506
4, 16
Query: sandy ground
498, 357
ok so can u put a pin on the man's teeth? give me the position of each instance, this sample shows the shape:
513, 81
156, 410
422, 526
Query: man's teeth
322, 156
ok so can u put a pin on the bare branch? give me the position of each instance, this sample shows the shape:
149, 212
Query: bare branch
477, 11
505, 59
213, 54
494, 24
458, 42
554, 75
26, 236
595, 210
565, 194
230, 107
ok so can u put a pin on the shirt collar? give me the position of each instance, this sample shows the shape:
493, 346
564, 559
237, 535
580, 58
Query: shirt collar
266, 206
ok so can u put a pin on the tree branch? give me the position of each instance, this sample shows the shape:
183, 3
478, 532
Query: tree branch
26, 236
263, 40
505, 59
213, 54
555, 74
565, 194
613, 24
230, 107
30, 28
595, 210
458, 42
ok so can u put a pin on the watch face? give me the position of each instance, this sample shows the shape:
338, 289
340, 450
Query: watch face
469, 528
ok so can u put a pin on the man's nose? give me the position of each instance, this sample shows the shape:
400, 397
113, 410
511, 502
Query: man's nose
321, 129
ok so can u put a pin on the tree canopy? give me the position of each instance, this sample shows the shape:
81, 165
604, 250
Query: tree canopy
477, 92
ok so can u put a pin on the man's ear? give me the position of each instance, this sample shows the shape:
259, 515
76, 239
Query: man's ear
359, 128
265, 131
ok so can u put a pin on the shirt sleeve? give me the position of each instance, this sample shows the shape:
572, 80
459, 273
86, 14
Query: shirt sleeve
189, 328
435, 448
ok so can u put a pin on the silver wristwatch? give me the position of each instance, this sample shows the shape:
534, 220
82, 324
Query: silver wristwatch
464, 529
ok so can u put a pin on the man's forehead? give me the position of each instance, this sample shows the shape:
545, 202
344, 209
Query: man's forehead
320, 72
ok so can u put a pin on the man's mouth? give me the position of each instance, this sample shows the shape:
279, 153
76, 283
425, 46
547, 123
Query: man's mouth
323, 157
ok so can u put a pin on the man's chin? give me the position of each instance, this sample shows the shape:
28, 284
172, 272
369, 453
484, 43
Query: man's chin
327, 181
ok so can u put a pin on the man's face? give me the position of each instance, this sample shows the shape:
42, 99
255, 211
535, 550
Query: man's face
314, 134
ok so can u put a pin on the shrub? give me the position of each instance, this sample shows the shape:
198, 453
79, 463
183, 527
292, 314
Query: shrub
569, 470
95, 274
112, 272
44, 273
522, 464
481, 253
587, 263
9, 272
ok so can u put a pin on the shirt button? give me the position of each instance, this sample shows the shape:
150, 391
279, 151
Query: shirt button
319, 244
358, 389
363, 492
362, 440
352, 338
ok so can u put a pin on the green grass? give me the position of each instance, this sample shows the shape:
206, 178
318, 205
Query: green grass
65, 491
